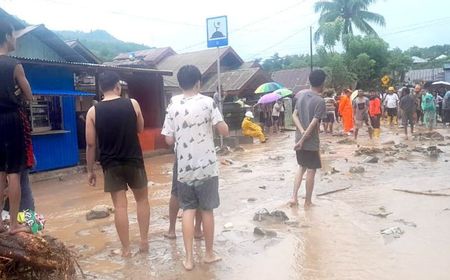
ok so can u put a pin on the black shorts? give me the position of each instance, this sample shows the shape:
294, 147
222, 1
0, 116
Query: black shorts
330, 118
275, 119
309, 159
12, 143
392, 112
282, 117
408, 118
375, 121
119, 178
203, 195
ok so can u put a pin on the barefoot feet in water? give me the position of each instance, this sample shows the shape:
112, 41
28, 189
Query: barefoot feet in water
211, 258
309, 205
14, 229
170, 235
144, 247
188, 264
293, 203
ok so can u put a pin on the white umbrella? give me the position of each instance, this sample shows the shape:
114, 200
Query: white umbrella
441, 83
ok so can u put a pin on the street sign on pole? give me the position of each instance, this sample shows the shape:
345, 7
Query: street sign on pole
217, 31
217, 36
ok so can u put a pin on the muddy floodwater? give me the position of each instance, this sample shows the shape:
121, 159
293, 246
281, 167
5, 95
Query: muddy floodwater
367, 231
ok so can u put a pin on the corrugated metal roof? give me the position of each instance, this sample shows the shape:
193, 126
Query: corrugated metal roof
293, 79
83, 51
421, 75
151, 56
204, 60
91, 66
231, 80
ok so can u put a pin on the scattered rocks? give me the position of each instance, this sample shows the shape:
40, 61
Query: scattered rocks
251, 199
346, 141
264, 232
401, 146
432, 135
225, 150
433, 151
357, 169
334, 170
395, 232
276, 158
264, 215
262, 187
99, 212
227, 162
371, 159
368, 151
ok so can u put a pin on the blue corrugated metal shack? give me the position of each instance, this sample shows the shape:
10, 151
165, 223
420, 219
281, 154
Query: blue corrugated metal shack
54, 70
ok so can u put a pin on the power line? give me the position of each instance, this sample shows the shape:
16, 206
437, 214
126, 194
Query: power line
251, 23
418, 26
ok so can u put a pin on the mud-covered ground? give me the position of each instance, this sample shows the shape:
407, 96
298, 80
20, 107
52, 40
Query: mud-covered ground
341, 238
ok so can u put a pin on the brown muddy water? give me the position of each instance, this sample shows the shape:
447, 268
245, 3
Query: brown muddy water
339, 239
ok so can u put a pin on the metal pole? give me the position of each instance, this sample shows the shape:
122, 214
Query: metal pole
219, 90
311, 47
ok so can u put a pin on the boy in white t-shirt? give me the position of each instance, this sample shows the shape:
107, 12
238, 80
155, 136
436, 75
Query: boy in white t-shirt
189, 124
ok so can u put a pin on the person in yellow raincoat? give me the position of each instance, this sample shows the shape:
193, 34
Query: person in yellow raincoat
251, 129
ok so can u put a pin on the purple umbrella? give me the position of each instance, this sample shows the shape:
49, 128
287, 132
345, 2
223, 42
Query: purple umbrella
269, 98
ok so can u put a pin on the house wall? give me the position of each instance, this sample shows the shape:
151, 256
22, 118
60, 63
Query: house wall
30, 46
54, 151
148, 90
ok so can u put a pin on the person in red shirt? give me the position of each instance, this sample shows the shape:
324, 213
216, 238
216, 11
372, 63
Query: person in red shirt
375, 113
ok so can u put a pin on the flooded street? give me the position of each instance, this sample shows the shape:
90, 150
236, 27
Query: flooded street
339, 239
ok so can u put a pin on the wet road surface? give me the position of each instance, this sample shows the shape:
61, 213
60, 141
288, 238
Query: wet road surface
338, 239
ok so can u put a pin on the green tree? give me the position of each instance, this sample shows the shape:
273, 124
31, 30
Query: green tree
339, 76
364, 68
399, 64
344, 15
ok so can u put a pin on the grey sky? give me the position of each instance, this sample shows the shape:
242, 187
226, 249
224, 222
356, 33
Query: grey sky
257, 28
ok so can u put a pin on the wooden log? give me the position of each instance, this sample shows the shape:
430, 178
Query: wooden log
331, 192
429, 193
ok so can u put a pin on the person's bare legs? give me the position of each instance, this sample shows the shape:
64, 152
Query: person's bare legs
297, 183
356, 133
174, 206
143, 216
119, 199
188, 237
310, 176
14, 193
2, 197
198, 234
208, 228
331, 128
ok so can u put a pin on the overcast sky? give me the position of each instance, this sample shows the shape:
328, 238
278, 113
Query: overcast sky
257, 29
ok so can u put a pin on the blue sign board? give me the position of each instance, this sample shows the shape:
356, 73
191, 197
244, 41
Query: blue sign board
217, 31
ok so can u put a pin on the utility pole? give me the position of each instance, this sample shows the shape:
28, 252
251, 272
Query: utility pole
311, 47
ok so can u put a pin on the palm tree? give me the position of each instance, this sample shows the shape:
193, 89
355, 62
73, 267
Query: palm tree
337, 18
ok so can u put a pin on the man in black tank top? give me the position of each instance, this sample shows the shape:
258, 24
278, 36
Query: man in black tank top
14, 86
115, 123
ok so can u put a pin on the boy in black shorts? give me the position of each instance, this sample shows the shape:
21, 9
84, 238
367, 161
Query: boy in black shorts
309, 110
189, 124
116, 122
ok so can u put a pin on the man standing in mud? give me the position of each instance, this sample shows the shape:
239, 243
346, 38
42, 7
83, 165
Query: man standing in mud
189, 124
116, 122
310, 108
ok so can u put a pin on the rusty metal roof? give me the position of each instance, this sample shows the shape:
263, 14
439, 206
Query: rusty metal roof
233, 80
293, 79
91, 66
433, 74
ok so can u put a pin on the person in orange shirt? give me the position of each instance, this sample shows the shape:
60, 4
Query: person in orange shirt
346, 110
375, 113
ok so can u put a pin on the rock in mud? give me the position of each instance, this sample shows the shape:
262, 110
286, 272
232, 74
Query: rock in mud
334, 170
371, 159
389, 143
433, 151
401, 146
346, 141
262, 187
395, 232
225, 150
99, 212
264, 232
276, 158
389, 160
228, 226
357, 169
433, 135
264, 215
246, 170
368, 151
251, 199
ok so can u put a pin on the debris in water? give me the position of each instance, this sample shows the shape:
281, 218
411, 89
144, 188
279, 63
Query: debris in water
277, 158
264, 232
395, 232
389, 160
251, 199
262, 187
335, 191
392, 142
246, 170
410, 224
228, 226
368, 151
346, 141
264, 214
430, 192
379, 214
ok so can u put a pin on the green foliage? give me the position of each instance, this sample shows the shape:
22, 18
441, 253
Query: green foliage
339, 17
430, 54
276, 62
101, 43
339, 76
399, 63
363, 66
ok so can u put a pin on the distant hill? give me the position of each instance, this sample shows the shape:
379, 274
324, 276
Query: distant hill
101, 43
